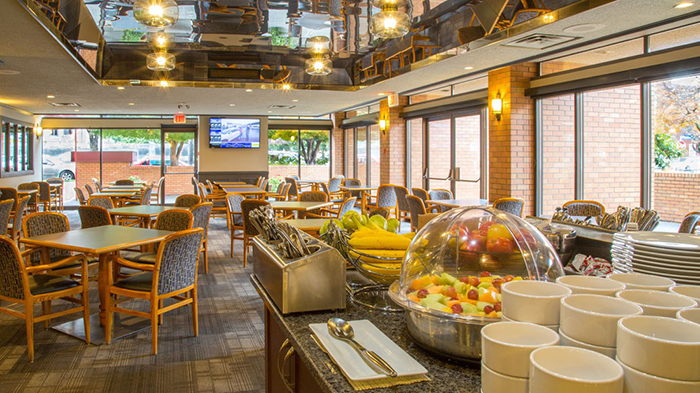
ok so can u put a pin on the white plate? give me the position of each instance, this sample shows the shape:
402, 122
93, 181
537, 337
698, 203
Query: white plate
679, 279
653, 254
373, 339
667, 240
662, 265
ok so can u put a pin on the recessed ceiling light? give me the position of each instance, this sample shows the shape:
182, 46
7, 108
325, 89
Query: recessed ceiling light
269, 111
468, 68
131, 104
76, 110
584, 28
50, 96
163, 83
120, 88
248, 90
684, 4
381, 94
295, 100
231, 104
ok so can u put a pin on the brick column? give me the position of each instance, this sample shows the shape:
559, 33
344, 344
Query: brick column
512, 139
338, 153
393, 144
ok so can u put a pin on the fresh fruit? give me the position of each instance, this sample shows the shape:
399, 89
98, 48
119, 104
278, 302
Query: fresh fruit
420, 282
500, 245
379, 221
508, 278
498, 231
457, 308
422, 293
488, 309
485, 274
498, 307
484, 226
473, 294
497, 282
475, 241
393, 225
348, 222
451, 292
474, 281
409, 235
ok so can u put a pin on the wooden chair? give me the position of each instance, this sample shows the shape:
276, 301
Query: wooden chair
313, 196
235, 214
102, 201
416, 208
173, 276
98, 185
81, 197
155, 195
124, 182
9, 193
187, 200
334, 191
5, 213
353, 182
33, 204
402, 209
15, 229
440, 194
584, 208
219, 201
57, 181
385, 198
201, 213
513, 206
689, 223
28, 285
143, 200
94, 216
47, 198
249, 230
293, 192
345, 207
281, 193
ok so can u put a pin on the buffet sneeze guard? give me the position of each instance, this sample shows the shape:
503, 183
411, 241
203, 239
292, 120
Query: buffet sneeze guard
310, 283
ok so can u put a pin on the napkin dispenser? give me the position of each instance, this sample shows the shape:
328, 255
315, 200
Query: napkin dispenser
311, 283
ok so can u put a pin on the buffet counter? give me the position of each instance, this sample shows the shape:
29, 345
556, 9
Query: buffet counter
310, 370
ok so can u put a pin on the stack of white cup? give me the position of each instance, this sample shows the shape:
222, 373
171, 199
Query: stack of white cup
505, 359
533, 301
573, 370
659, 354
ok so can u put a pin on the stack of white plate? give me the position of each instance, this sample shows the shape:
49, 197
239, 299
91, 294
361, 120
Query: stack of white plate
671, 255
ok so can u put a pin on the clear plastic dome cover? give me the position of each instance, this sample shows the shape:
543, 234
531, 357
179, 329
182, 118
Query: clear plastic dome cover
465, 255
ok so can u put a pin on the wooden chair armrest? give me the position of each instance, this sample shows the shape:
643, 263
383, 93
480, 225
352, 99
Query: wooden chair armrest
134, 265
49, 266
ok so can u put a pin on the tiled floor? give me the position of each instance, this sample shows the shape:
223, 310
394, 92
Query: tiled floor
226, 357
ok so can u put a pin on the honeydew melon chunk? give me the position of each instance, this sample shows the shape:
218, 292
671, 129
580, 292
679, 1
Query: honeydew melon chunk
438, 297
468, 308
446, 279
460, 287
480, 306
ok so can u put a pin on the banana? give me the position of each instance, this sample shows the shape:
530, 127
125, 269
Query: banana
383, 242
382, 254
409, 235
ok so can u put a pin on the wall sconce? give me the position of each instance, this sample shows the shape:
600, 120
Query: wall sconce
383, 126
497, 106
38, 130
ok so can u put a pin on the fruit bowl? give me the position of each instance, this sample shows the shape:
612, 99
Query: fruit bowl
381, 270
450, 279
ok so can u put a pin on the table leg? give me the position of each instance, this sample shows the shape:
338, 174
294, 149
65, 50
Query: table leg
104, 280
363, 202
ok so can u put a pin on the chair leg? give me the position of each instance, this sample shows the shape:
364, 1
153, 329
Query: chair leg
160, 316
86, 313
245, 250
110, 318
154, 327
195, 312
46, 309
233, 231
29, 313
206, 258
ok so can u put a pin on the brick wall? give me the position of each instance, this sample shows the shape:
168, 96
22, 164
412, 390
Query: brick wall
178, 178
308, 172
559, 152
393, 144
675, 194
512, 139
338, 143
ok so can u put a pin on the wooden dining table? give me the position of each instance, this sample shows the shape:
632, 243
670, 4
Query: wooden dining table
298, 206
311, 226
246, 191
144, 213
314, 184
364, 190
458, 202
103, 242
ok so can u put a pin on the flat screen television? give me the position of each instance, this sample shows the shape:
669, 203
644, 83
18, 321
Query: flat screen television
234, 133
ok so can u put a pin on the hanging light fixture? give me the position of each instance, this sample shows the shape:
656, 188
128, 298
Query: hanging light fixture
160, 61
158, 40
390, 22
318, 44
156, 13
319, 66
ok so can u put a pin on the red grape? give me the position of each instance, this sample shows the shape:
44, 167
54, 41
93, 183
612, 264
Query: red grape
473, 294
474, 281
457, 308
464, 279
488, 310
497, 307
422, 294
485, 274
497, 282
451, 292
509, 278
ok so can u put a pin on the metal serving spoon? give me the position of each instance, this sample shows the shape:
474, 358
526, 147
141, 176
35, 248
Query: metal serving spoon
342, 330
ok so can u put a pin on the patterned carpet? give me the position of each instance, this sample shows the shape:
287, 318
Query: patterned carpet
227, 356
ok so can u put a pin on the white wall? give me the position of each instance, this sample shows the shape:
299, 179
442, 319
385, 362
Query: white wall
10, 114
231, 160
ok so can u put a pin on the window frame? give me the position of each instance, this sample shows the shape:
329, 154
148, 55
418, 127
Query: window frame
12, 128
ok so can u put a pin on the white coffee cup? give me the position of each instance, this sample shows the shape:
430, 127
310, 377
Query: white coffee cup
592, 319
533, 301
506, 346
494, 382
591, 285
662, 304
573, 370
640, 382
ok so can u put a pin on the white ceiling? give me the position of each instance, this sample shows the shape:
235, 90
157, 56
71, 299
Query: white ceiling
47, 69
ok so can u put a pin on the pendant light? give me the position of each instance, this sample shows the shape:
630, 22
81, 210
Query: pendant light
390, 22
160, 61
319, 64
156, 13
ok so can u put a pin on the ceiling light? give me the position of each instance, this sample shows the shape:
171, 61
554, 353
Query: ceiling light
156, 13
120, 87
318, 66
231, 104
76, 110
286, 87
584, 28
50, 96
468, 68
131, 104
318, 44
295, 100
381, 94
684, 4
163, 83
269, 111
390, 23
160, 61
248, 90
549, 18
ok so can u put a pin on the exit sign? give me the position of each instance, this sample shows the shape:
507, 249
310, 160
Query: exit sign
393, 100
179, 118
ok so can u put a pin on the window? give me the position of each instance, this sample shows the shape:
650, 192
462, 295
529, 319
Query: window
374, 154
559, 152
361, 154
350, 159
303, 153
17, 146
415, 154
676, 37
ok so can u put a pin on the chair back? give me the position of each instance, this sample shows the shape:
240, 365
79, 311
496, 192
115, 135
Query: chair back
176, 261
334, 184
94, 216
263, 184
80, 195
293, 188
12, 271
313, 196
353, 182
401, 193
55, 180
583, 208
233, 207
441, 194
513, 206
9, 193
210, 185
5, 212
187, 200
159, 189
280, 187
420, 193
98, 185
202, 191
285, 190
146, 196
416, 207
201, 213
19, 213
348, 204
324, 188
690, 221
124, 182
386, 197
45, 223
88, 189
380, 211
102, 201
33, 198
247, 206
259, 182
174, 220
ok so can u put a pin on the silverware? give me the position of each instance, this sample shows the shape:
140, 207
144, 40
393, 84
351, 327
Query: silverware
341, 329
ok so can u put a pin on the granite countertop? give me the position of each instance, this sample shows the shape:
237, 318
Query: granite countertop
446, 376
